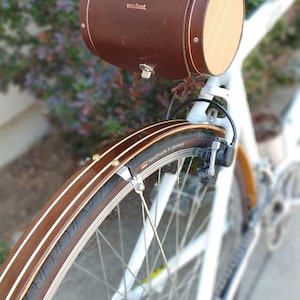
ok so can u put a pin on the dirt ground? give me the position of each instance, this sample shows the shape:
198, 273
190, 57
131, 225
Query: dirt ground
27, 183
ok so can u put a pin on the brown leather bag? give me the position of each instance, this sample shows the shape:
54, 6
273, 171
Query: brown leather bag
171, 38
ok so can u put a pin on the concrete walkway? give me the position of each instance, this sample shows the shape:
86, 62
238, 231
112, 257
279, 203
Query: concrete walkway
22, 124
276, 276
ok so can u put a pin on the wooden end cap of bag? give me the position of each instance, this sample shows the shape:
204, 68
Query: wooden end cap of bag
171, 38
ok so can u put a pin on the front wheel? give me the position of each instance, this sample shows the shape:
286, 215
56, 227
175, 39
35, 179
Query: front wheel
141, 233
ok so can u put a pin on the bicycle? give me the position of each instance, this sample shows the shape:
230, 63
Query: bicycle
172, 211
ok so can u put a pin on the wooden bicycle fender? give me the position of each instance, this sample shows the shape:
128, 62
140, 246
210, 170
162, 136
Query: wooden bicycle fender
33, 248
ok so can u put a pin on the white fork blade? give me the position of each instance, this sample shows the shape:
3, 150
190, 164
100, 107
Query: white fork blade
186, 255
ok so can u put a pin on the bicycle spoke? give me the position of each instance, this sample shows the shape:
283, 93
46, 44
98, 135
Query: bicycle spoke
90, 274
121, 240
159, 244
145, 241
102, 263
121, 259
193, 213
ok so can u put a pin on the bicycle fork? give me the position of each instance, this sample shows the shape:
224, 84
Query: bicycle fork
214, 235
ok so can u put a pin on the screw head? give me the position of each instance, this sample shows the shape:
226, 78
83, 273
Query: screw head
140, 187
115, 162
196, 39
96, 157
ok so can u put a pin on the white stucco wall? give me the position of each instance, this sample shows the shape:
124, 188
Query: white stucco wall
22, 124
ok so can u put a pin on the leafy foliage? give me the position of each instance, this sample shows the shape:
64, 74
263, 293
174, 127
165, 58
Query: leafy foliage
266, 67
251, 5
3, 251
41, 50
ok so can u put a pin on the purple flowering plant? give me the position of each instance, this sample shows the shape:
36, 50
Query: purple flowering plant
41, 50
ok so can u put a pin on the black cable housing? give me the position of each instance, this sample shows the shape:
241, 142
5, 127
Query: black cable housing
213, 103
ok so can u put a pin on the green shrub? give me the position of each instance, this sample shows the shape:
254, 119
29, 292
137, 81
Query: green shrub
251, 5
3, 251
87, 98
265, 68
41, 50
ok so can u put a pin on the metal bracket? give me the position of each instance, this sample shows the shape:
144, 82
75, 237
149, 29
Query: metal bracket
213, 158
219, 154
147, 71
136, 179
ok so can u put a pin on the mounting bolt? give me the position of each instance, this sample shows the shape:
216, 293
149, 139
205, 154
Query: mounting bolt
147, 71
196, 39
96, 157
140, 187
115, 162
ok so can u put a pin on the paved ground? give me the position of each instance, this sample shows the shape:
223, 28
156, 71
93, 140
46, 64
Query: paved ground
276, 275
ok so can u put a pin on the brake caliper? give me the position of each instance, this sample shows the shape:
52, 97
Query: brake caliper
220, 154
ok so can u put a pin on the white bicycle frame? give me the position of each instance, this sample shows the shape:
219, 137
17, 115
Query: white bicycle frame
255, 28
